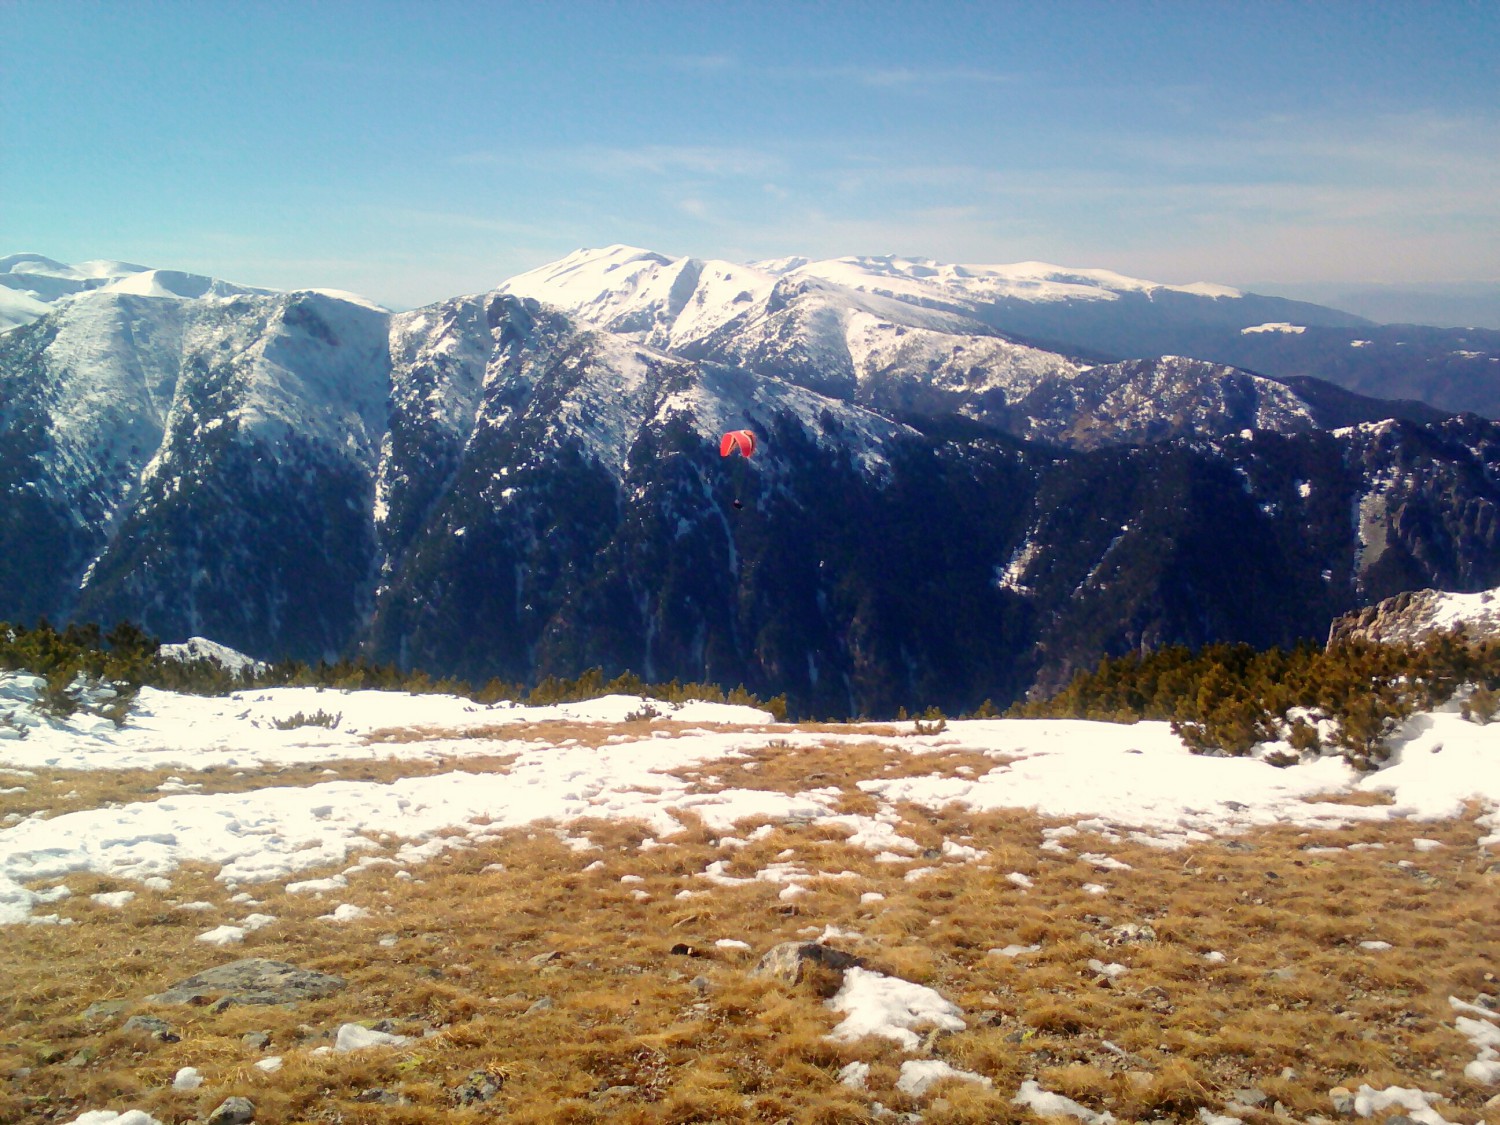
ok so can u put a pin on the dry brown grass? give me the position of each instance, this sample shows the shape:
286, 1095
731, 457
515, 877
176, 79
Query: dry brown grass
638, 1033
1364, 798
57, 792
782, 768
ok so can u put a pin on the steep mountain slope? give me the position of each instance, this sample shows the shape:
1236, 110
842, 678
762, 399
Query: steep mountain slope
202, 461
490, 486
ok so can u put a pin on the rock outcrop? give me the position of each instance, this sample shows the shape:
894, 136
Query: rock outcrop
1411, 617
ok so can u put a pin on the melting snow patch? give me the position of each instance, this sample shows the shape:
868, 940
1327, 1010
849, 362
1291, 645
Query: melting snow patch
919, 1075
1369, 1101
116, 899
854, 1075
961, 851
353, 1037
317, 886
223, 935
1485, 1036
1048, 1104
875, 1004
1016, 950
1020, 880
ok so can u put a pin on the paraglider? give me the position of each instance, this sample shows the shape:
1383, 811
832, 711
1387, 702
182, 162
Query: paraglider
743, 442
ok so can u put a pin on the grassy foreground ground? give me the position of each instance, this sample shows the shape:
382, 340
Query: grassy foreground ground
544, 981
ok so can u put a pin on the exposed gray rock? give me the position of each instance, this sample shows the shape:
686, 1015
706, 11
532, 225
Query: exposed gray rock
253, 980
1129, 933
479, 1086
793, 961
1343, 1101
377, 1096
154, 1026
233, 1111
542, 1005
106, 1009
256, 1040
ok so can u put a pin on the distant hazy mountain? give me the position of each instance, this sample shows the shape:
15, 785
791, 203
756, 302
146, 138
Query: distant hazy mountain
528, 481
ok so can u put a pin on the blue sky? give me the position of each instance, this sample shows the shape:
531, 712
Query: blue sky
414, 151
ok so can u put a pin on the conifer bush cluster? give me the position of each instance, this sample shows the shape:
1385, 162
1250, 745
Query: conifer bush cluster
1228, 698
126, 657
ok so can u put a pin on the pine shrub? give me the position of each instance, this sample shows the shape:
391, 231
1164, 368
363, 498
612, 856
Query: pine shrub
1229, 699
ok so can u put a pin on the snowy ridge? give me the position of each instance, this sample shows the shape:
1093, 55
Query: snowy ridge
664, 302
676, 303
32, 285
921, 279
176, 285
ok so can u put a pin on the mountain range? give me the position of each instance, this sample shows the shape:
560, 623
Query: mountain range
970, 481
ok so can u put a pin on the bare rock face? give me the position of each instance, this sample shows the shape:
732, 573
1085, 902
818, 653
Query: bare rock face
251, 981
806, 962
1410, 618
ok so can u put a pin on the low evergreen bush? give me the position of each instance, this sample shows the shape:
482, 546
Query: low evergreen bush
1227, 699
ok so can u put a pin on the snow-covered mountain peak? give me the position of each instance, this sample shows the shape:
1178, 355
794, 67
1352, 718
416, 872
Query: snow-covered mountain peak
659, 300
32, 285
176, 285
925, 279
336, 295
39, 265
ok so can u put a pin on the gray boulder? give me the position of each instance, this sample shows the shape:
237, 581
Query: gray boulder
798, 962
253, 980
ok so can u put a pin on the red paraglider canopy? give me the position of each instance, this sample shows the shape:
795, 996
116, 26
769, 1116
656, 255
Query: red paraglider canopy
743, 440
